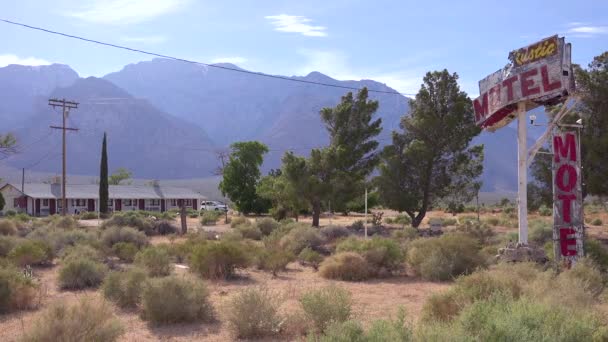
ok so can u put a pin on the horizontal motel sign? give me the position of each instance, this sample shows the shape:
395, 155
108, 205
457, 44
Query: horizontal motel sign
567, 197
538, 74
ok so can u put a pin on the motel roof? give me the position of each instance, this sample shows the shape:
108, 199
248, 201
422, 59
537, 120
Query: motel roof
91, 191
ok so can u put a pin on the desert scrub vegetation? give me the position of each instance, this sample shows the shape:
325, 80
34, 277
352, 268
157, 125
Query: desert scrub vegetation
331, 233
86, 320
125, 288
541, 232
597, 252
597, 222
397, 329
79, 273
272, 259
254, 313
125, 251
308, 257
17, 290
249, 231
218, 260
7, 243
444, 257
349, 266
238, 220
155, 260
327, 305
114, 235
176, 300
209, 218
8, 227
401, 219
482, 232
267, 225
384, 255
31, 252
300, 237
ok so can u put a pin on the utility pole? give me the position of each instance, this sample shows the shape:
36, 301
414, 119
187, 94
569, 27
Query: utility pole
23, 180
66, 106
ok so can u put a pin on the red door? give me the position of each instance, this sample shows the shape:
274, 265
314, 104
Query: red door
141, 204
52, 206
117, 205
37, 207
91, 205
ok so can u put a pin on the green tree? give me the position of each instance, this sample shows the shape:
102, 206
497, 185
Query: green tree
103, 178
540, 189
121, 174
279, 191
8, 144
2, 202
425, 163
241, 175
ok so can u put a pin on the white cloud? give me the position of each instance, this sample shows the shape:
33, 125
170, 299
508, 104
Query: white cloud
296, 24
125, 11
232, 60
13, 59
144, 39
588, 30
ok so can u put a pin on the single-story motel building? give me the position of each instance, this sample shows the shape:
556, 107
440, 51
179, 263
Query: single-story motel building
42, 199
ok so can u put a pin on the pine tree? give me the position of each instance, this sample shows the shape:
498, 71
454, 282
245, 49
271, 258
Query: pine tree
103, 178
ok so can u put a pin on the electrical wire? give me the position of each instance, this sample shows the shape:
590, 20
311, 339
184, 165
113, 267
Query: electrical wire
284, 78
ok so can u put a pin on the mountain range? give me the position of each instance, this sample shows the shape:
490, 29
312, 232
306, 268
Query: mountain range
167, 119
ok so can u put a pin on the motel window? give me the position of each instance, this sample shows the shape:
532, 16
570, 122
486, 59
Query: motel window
174, 202
79, 202
110, 202
16, 203
45, 202
188, 202
154, 202
128, 203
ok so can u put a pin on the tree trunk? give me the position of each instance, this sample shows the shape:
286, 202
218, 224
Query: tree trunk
316, 213
182, 214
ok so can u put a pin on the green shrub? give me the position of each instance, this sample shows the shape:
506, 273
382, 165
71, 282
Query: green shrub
84, 321
88, 215
326, 305
480, 231
163, 227
155, 261
249, 231
8, 227
76, 274
347, 266
81, 252
31, 252
597, 252
210, 217
545, 211
597, 222
444, 257
379, 252
349, 331
7, 243
358, 226
253, 313
301, 237
114, 235
492, 221
139, 220
59, 239
407, 233
125, 251
273, 260
218, 260
239, 220
588, 275
334, 232
445, 222
267, 225
380, 330
308, 257
402, 219
10, 213
125, 288
17, 291
175, 300
540, 232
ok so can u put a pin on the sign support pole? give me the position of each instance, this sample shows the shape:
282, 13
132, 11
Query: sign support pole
522, 173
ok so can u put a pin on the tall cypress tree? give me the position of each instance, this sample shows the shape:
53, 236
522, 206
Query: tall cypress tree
103, 178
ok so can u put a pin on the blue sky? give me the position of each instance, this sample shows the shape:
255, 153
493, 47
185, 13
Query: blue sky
394, 42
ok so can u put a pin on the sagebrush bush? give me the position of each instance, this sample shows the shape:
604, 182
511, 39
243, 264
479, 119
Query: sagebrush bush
88, 215
545, 211
407, 233
81, 251
7, 243
133, 219
267, 225
444, 257
308, 257
175, 300
156, 261
17, 291
218, 260
65, 222
87, 320
480, 231
125, 251
76, 274
541, 232
349, 266
380, 253
358, 226
115, 235
163, 227
249, 231
597, 222
253, 313
492, 221
334, 232
8, 227
30, 252
59, 239
239, 220
588, 275
326, 305
273, 259
402, 219
301, 237
597, 252
210, 217
381, 330
125, 288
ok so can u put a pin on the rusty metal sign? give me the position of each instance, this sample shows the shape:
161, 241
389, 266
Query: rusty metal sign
538, 74
568, 226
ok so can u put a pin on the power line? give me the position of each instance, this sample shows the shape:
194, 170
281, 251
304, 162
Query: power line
198, 63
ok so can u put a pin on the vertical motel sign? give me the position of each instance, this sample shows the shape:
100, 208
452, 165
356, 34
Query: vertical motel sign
567, 197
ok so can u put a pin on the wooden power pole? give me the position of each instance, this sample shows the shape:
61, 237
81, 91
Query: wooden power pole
66, 106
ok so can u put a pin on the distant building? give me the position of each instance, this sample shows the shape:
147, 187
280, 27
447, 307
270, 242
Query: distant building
45, 199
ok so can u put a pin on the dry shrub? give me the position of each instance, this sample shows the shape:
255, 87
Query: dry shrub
597, 252
218, 260
31, 252
125, 288
175, 300
407, 233
239, 220
114, 235
267, 225
7, 243
253, 313
383, 255
163, 227
80, 273
17, 291
125, 251
541, 232
210, 217
326, 305
334, 232
301, 237
134, 219
273, 259
480, 231
65, 222
308, 257
444, 257
381, 330
8, 227
81, 252
249, 231
348, 266
84, 321
155, 260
